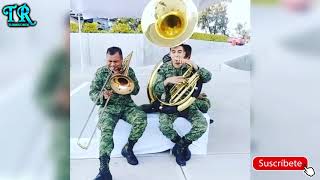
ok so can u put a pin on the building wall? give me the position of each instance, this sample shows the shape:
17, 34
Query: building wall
94, 46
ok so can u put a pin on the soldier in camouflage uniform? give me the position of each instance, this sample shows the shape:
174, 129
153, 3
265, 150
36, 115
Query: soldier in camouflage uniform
170, 73
53, 95
118, 107
202, 102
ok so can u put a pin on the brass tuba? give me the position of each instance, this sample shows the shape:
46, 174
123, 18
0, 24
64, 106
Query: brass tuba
120, 84
182, 95
169, 23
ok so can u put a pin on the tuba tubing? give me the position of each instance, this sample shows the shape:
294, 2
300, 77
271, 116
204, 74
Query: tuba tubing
181, 105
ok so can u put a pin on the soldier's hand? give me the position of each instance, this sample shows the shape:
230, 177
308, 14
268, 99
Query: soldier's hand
174, 80
179, 59
188, 61
107, 94
185, 60
63, 99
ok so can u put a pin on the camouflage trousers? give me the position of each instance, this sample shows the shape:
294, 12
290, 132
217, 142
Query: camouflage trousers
195, 117
109, 119
60, 147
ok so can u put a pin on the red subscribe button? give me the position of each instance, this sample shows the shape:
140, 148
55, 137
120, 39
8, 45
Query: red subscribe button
280, 163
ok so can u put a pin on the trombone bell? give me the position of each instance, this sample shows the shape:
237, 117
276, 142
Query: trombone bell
169, 23
122, 83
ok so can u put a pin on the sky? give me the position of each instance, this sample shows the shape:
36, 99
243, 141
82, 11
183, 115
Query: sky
238, 11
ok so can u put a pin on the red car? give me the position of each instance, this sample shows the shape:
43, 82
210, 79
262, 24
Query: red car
236, 41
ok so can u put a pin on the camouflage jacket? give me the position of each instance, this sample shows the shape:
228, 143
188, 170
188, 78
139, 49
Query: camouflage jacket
99, 80
203, 104
55, 77
166, 58
167, 70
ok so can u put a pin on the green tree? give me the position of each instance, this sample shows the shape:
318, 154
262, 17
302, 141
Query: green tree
214, 19
241, 30
221, 18
203, 22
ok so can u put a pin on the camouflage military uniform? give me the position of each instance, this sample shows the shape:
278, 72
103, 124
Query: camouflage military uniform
166, 58
203, 104
54, 78
198, 122
119, 107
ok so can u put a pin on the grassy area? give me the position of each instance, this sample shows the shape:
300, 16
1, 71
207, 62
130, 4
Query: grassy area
92, 28
209, 37
265, 2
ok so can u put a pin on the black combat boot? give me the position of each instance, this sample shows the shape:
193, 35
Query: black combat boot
186, 151
104, 172
187, 154
179, 155
127, 152
175, 140
177, 151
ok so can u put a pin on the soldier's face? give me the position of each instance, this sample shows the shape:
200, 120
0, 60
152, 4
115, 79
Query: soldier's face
114, 62
177, 53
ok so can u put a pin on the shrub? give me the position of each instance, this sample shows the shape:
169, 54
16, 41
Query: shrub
103, 31
120, 27
139, 29
90, 27
74, 27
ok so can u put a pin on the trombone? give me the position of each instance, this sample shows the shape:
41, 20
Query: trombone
90, 114
120, 84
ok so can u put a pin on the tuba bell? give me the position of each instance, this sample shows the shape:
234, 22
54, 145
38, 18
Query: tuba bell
169, 23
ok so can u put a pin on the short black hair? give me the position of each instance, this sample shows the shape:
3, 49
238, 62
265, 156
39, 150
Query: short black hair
113, 50
187, 48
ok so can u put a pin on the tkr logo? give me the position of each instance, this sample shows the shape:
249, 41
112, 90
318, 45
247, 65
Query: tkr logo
23, 14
